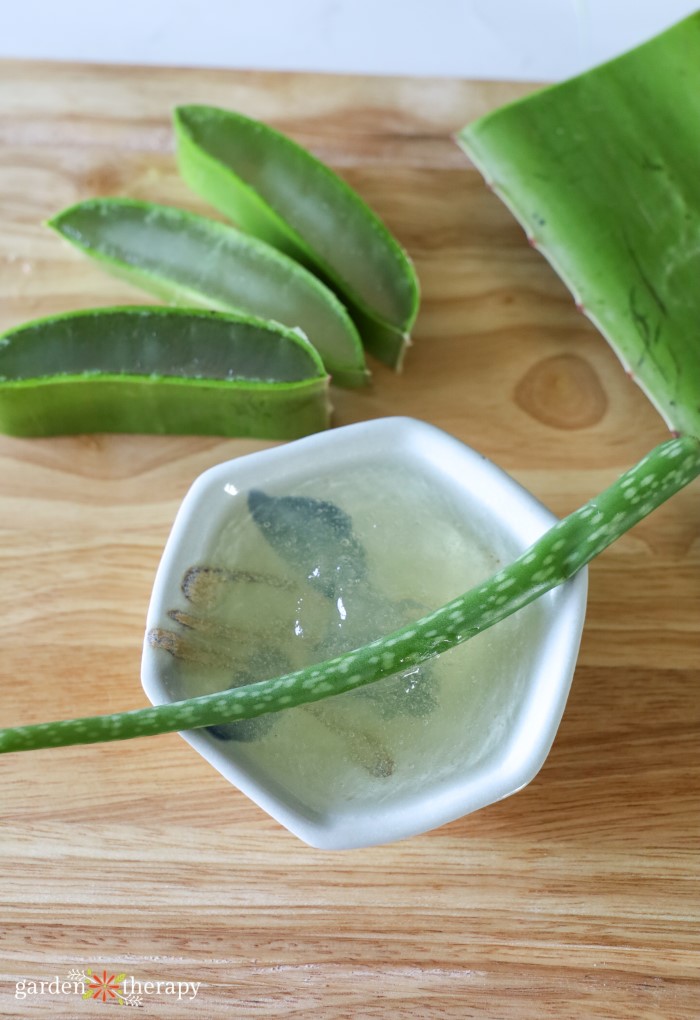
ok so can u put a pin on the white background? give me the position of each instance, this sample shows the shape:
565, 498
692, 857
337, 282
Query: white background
538, 40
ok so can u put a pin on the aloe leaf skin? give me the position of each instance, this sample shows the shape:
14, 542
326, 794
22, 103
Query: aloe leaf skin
160, 370
189, 260
277, 190
603, 172
556, 556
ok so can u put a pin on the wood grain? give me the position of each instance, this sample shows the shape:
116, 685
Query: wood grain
578, 897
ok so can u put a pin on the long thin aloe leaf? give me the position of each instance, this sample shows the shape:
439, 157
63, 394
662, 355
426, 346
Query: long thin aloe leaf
146, 369
603, 171
554, 558
190, 260
277, 190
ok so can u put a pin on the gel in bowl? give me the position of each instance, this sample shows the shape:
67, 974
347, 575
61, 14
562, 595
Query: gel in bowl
295, 554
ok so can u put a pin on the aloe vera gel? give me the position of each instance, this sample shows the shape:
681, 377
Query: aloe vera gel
303, 567
298, 576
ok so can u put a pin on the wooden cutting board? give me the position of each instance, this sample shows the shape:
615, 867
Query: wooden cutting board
578, 897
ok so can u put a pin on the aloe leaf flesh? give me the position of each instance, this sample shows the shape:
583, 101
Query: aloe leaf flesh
556, 556
603, 171
189, 260
275, 189
144, 369
314, 535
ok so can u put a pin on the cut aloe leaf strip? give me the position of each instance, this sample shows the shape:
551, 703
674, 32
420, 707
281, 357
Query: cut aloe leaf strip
602, 172
144, 369
275, 189
555, 557
189, 260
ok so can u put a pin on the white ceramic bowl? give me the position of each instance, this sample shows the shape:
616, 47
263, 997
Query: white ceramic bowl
494, 705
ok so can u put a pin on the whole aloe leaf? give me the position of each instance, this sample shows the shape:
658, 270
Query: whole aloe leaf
603, 171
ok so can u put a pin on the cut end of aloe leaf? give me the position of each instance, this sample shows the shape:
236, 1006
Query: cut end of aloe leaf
189, 260
142, 369
275, 189
602, 172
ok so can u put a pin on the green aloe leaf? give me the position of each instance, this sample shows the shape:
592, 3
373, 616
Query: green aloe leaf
275, 189
190, 260
551, 560
603, 171
148, 369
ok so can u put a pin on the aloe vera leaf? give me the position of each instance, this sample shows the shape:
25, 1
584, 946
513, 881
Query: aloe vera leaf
243, 650
145, 369
556, 556
603, 171
190, 260
267, 661
273, 662
277, 190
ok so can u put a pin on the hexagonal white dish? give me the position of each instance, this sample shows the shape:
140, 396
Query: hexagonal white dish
433, 518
